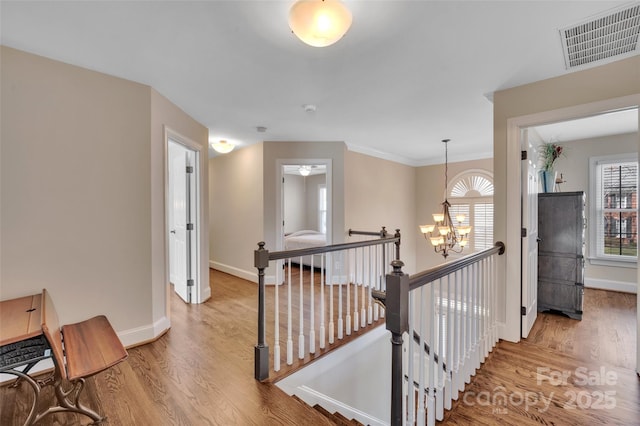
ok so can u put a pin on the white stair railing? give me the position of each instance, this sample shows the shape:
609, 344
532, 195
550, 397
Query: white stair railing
444, 322
325, 293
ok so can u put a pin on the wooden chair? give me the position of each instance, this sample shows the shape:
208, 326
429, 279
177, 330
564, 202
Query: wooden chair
79, 351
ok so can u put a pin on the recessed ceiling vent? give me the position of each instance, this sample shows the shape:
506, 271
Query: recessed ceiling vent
613, 35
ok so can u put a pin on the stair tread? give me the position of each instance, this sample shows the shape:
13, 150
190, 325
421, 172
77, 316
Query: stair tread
336, 417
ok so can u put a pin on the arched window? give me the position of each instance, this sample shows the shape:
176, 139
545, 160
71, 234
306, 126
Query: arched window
471, 194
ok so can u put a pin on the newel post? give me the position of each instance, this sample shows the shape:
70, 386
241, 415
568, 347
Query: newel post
261, 350
397, 322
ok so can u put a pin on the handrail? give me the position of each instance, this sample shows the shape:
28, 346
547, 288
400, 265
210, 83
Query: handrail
277, 255
437, 272
396, 301
382, 233
262, 257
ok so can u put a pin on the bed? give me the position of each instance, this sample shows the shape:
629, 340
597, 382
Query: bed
305, 239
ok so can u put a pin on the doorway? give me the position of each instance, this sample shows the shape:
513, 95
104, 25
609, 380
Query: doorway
514, 295
183, 219
304, 205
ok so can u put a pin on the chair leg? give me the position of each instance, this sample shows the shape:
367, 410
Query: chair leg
69, 401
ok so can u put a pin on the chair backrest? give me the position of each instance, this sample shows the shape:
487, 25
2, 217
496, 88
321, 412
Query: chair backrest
51, 330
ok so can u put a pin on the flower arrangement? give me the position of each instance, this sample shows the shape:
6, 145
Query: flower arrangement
549, 153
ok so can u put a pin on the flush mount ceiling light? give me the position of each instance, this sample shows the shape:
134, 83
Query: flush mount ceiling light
304, 170
319, 23
222, 146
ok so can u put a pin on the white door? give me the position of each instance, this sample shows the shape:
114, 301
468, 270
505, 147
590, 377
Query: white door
180, 219
530, 237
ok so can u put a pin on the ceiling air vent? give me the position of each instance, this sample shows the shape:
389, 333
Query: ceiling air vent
612, 35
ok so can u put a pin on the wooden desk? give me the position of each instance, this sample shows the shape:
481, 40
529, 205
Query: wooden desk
20, 319
20, 324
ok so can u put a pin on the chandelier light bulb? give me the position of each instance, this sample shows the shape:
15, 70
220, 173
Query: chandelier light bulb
425, 229
438, 217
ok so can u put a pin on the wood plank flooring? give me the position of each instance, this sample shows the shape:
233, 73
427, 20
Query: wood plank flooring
201, 372
567, 372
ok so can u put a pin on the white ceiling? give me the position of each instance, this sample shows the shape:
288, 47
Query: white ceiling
405, 76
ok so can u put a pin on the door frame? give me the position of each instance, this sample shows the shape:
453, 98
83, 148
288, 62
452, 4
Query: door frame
279, 237
197, 295
514, 192
528, 271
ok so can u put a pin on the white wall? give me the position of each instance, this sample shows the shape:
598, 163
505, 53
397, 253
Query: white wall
295, 203
312, 187
574, 166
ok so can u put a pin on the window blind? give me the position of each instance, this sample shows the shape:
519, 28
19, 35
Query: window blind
616, 208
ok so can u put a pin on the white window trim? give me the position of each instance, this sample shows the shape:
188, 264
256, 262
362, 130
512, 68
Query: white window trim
469, 200
592, 201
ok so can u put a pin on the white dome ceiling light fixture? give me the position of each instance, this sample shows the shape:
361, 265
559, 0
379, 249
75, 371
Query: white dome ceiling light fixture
222, 146
319, 23
304, 170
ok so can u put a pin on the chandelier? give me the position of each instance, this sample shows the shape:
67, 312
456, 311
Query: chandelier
319, 23
444, 235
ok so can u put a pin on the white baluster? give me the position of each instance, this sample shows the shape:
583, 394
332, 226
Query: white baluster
289, 326
363, 289
301, 335
409, 395
347, 318
467, 325
357, 282
276, 334
476, 322
431, 398
312, 313
342, 272
331, 299
449, 346
439, 349
323, 265
422, 380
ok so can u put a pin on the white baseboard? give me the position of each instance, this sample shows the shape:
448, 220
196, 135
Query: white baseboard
622, 286
135, 336
205, 293
241, 273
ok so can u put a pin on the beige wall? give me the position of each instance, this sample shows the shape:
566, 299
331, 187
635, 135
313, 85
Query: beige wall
596, 85
574, 166
236, 210
79, 192
429, 196
382, 193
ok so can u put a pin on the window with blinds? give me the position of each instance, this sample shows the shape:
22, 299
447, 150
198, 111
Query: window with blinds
472, 195
322, 208
616, 208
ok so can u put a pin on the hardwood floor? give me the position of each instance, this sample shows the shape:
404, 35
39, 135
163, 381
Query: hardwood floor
567, 372
201, 372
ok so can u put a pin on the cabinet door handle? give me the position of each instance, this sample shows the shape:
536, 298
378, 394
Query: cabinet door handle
539, 240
